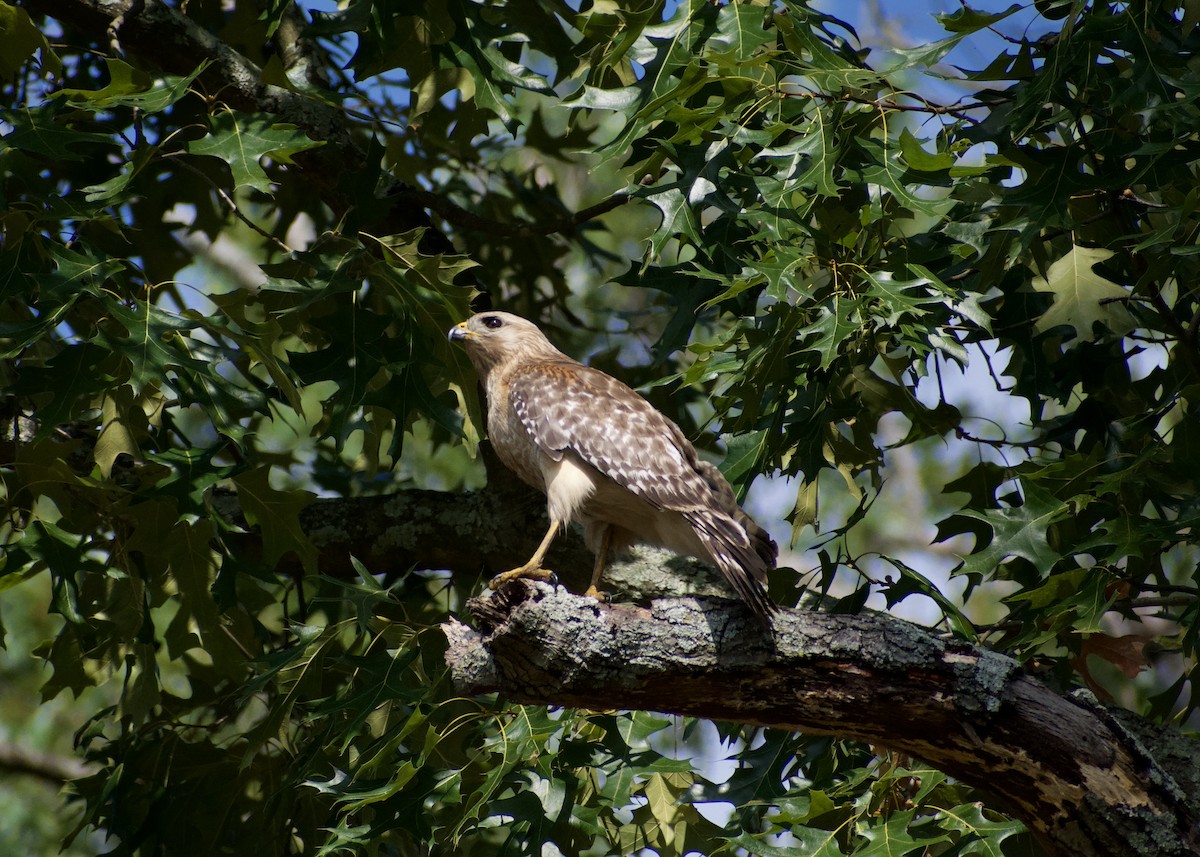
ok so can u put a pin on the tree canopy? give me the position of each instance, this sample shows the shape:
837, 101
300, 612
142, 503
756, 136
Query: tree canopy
935, 298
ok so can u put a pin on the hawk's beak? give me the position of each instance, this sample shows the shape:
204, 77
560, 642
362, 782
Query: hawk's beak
459, 332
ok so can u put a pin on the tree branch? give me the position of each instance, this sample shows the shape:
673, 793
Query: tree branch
461, 217
472, 535
45, 766
958, 111
1074, 772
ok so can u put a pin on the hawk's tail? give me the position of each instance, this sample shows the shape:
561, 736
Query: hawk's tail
743, 552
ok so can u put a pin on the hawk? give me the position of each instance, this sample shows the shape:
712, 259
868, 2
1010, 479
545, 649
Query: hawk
603, 455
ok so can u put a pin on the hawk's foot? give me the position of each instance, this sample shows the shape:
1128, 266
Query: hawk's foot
593, 592
529, 572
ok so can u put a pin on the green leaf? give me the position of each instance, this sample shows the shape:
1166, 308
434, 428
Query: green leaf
742, 31
743, 458
678, 218
782, 267
131, 87
43, 131
838, 321
67, 660
67, 382
893, 837
981, 835
809, 842
888, 170
277, 515
19, 40
242, 141
809, 161
1083, 298
1022, 531
917, 158
113, 188
962, 23
968, 20
193, 568
912, 581
120, 425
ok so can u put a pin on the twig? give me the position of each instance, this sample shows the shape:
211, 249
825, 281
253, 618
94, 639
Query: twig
962, 434
957, 111
1163, 601
230, 204
461, 217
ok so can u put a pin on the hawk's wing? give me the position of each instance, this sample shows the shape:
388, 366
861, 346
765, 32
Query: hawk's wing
568, 406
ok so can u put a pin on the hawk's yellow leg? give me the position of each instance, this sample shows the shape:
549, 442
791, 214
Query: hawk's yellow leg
601, 559
532, 569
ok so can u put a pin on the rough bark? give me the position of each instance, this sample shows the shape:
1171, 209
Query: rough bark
1072, 770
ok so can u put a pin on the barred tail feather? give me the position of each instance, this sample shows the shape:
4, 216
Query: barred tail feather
742, 551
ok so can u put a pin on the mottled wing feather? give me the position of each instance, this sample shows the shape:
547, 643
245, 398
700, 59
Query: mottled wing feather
568, 406
763, 544
743, 563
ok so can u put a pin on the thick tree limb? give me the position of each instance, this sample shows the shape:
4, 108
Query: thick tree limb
428, 529
1071, 769
475, 534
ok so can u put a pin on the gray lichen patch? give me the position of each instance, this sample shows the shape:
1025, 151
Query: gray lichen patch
981, 679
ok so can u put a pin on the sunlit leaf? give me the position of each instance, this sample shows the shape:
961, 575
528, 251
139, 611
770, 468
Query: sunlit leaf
1083, 298
241, 142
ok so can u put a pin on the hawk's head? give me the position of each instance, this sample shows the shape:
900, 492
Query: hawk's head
499, 337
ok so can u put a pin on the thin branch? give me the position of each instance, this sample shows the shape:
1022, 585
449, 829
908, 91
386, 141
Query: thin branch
229, 202
957, 111
962, 434
50, 767
459, 216
1164, 601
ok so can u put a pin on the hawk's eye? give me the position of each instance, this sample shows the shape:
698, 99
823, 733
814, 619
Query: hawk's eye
492, 322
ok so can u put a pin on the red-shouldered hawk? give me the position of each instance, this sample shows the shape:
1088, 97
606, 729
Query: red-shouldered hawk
602, 454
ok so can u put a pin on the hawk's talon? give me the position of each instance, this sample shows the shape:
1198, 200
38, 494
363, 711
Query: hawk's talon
593, 592
527, 572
